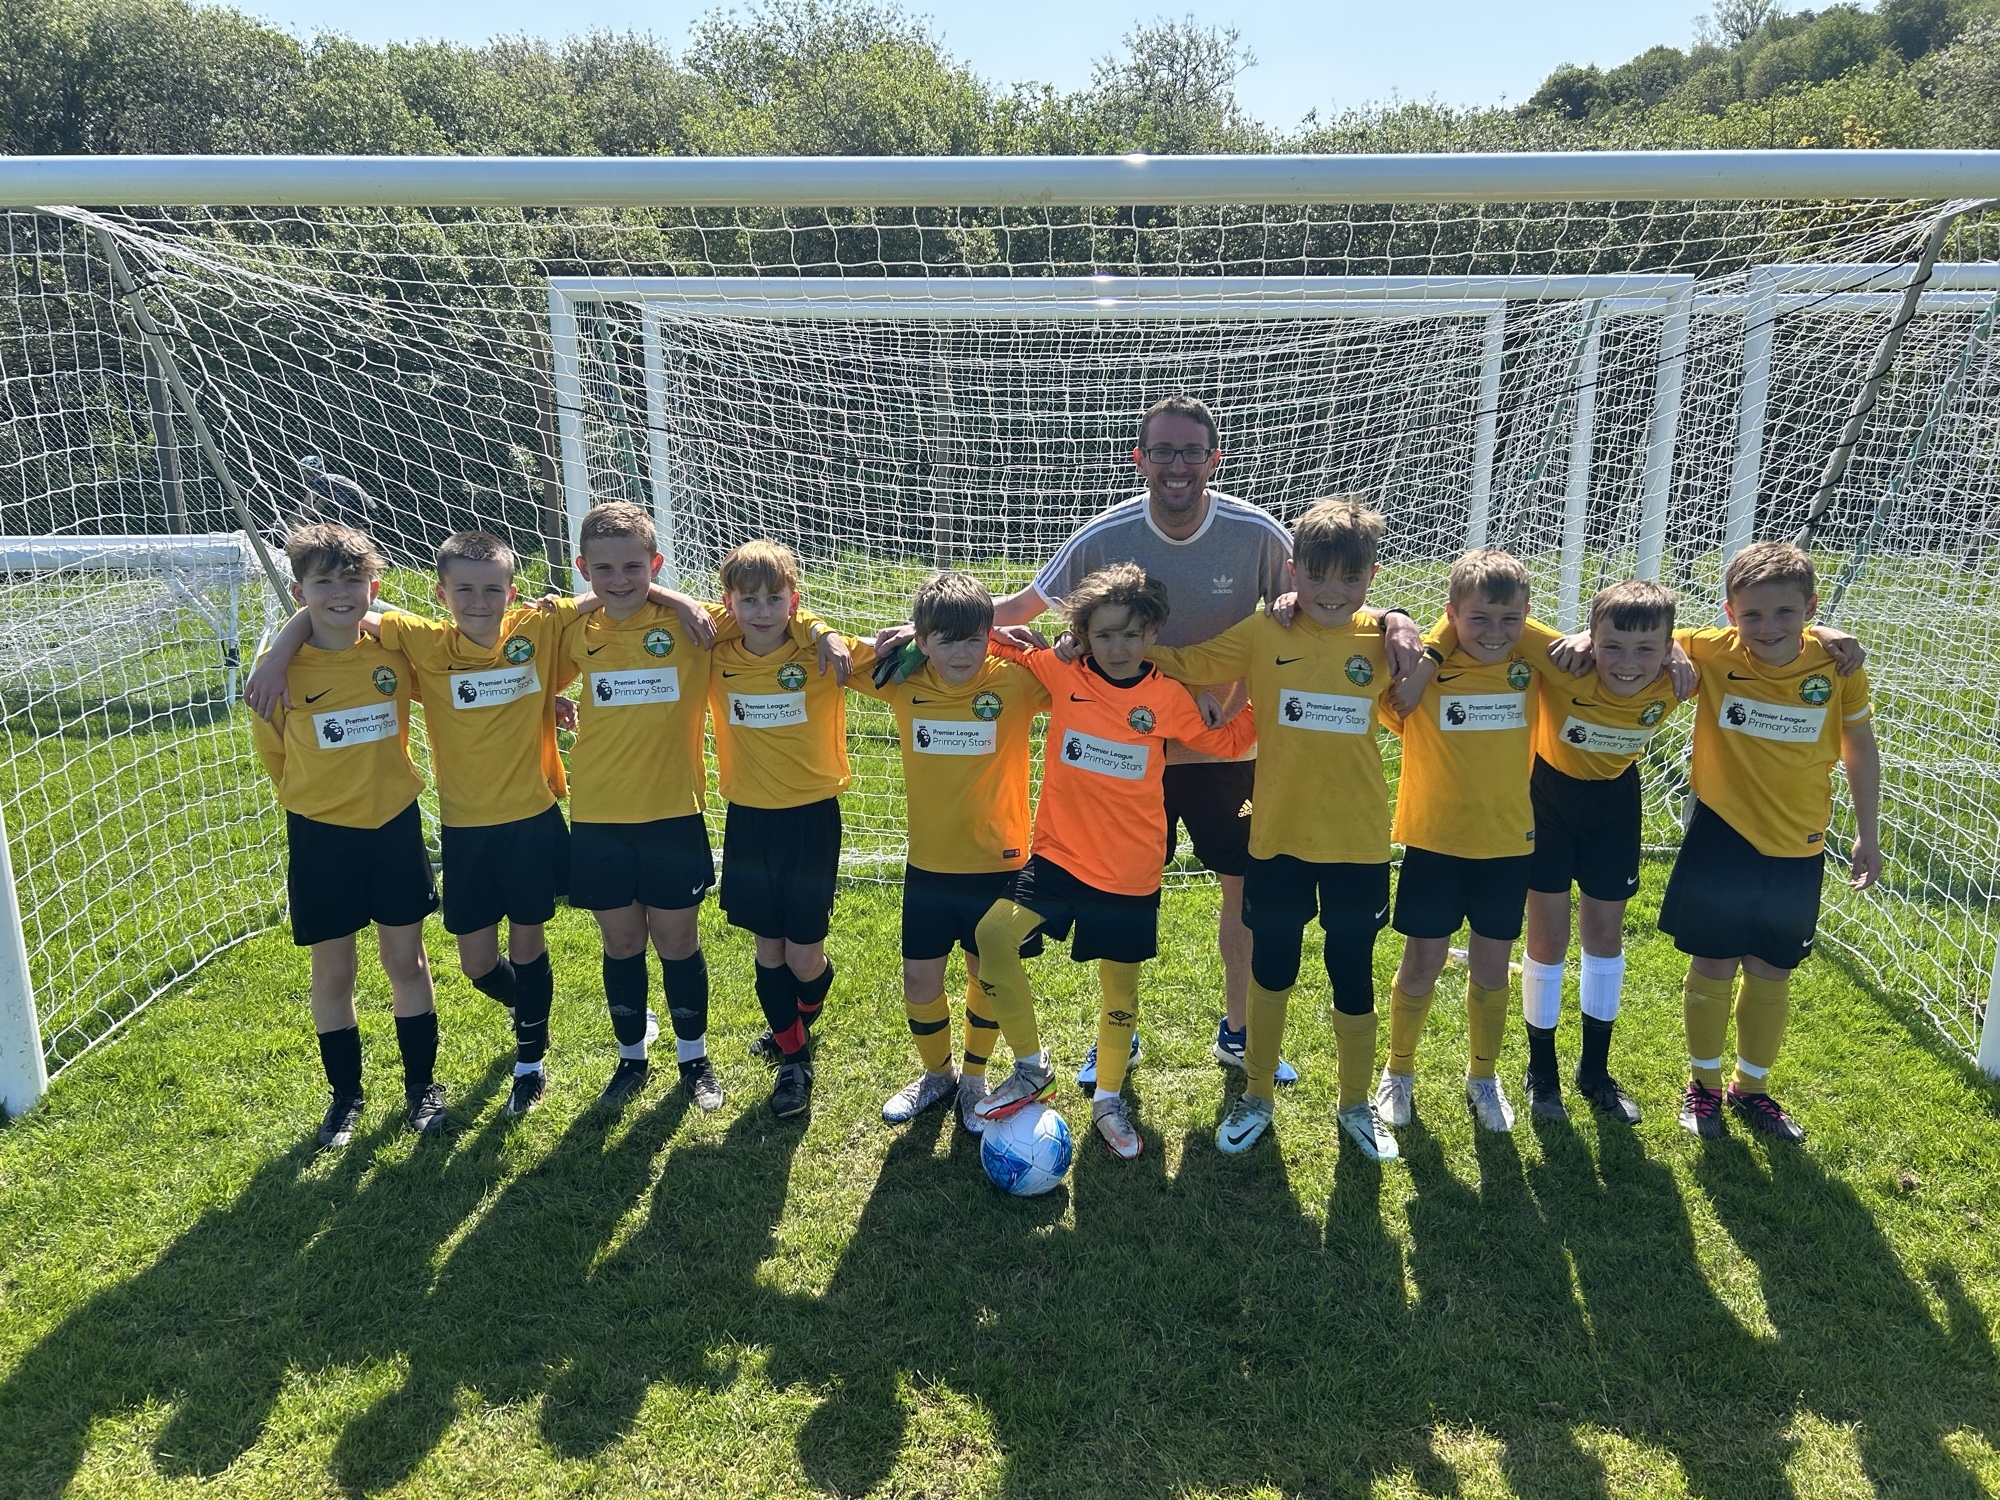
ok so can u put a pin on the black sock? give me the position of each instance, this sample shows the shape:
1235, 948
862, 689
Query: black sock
1542, 1053
686, 981
1596, 1058
501, 982
340, 1055
534, 994
625, 994
417, 1038
812, 994
778, 994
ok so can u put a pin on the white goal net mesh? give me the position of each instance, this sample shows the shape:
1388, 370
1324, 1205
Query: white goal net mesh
1603, 389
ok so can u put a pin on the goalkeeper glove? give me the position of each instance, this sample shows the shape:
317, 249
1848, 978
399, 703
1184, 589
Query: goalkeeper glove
897, 665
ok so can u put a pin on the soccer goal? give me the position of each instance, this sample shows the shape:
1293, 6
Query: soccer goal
1613, 364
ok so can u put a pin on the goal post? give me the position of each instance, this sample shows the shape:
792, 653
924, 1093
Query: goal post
1614, 364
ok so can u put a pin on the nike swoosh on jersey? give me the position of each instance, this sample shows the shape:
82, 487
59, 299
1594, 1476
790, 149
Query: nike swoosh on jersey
1453, 678
593, 650
1074, 699
315, 697
1584, 702
1739, 677
927, 700
1286, 661
732, 674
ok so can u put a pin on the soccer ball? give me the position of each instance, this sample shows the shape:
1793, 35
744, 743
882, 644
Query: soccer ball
1026, 1153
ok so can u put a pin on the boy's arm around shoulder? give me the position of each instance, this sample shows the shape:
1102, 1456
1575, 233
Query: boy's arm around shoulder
1220, 658
267, 738
1861, 759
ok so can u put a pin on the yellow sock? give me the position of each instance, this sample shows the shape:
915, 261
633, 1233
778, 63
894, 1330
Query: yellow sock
1003, 978
930, 1026
1762, 1007
1407, 1014
980, 1028
1705, 1013
1263, 1040
1116, 1018
1354, 1038
1485, 1027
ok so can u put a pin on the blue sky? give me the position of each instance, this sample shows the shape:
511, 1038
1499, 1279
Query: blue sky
1331, 54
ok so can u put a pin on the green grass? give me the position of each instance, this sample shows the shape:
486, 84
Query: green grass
191, 1301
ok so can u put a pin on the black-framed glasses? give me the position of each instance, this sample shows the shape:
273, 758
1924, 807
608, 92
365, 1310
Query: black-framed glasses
1193, 453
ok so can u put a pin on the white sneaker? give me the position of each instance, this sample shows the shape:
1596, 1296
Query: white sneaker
1027, 1084
1248, 1118
913, 1098
971, 1089
1086, 1076
1489, 1104
1395, 1098
1114, 1122
1368, 1132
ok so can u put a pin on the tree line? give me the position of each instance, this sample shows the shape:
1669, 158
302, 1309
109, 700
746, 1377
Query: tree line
846, 77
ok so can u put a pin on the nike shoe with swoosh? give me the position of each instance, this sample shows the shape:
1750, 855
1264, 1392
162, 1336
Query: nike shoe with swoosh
1248, 1118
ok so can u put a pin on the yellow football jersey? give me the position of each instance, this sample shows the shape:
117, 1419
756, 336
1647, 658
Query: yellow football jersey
1586, 731
638, 755
1314, 689
780, 726
1766, 738
341, 754
966, 763
490, 711
1466, 752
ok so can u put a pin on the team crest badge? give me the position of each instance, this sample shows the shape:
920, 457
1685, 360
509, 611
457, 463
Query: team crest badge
519, 650
1654, 712
1815, 690
385, 681
986, 706
1360, 671
1519, 675
1141, 719
659, 643
791, 677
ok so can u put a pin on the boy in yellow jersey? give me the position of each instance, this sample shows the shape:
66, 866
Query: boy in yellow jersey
355, 842
1319, 823
1775, 715
1588, 813
640, 858
966, 722
781, 758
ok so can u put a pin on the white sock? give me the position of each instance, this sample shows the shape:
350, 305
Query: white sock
1103, 1094
1751, 1070
632, 1051
1541, 993
1600, 985
521, 1069
689, 1051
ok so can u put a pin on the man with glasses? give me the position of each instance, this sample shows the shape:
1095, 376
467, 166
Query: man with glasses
1218, 556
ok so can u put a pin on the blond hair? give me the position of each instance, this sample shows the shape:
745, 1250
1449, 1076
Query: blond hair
1490, 574
761, 566
1769, 562
323, 547
1125, 584
474, 546
1636, 604
1336, 534
616, 518
956, 606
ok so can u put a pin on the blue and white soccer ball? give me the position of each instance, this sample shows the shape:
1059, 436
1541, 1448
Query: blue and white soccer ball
1026, 1153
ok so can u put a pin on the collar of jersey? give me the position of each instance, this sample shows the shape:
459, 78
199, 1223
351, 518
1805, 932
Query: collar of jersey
1208, 519
1096, 670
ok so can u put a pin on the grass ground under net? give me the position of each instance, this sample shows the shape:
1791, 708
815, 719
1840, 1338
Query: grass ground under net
193, 1301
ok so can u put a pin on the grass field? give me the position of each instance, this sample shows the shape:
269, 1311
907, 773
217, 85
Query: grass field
193, 1302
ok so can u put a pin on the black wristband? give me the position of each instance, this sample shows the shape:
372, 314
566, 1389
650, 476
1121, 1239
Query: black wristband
1434, 654
1395, 609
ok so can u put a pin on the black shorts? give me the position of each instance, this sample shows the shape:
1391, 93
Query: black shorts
1124, 929
664, 864
942, 911
341, 879
1283, 894
778, 869
1212, 799
1586, 833
1725, 899
1438, 892
514, 870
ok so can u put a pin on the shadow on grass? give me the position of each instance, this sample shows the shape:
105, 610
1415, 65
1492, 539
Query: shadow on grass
1203, 1331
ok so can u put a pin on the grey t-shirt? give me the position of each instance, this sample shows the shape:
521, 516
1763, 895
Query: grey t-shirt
1214, 578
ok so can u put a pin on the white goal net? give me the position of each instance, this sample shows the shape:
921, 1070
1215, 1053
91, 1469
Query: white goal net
1606, 388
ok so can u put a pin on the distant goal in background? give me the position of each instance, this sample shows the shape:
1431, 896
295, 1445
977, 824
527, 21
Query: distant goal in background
1611, 364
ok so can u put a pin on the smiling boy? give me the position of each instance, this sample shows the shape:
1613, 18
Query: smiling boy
1745, 890
355, 842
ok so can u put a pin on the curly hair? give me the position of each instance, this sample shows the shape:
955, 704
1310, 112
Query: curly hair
1125, 584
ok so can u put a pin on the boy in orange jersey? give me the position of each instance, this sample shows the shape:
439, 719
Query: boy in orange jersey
966, 722
1745, 892
1100, 836
781, 758
1319, 824
341, 764
640, 855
